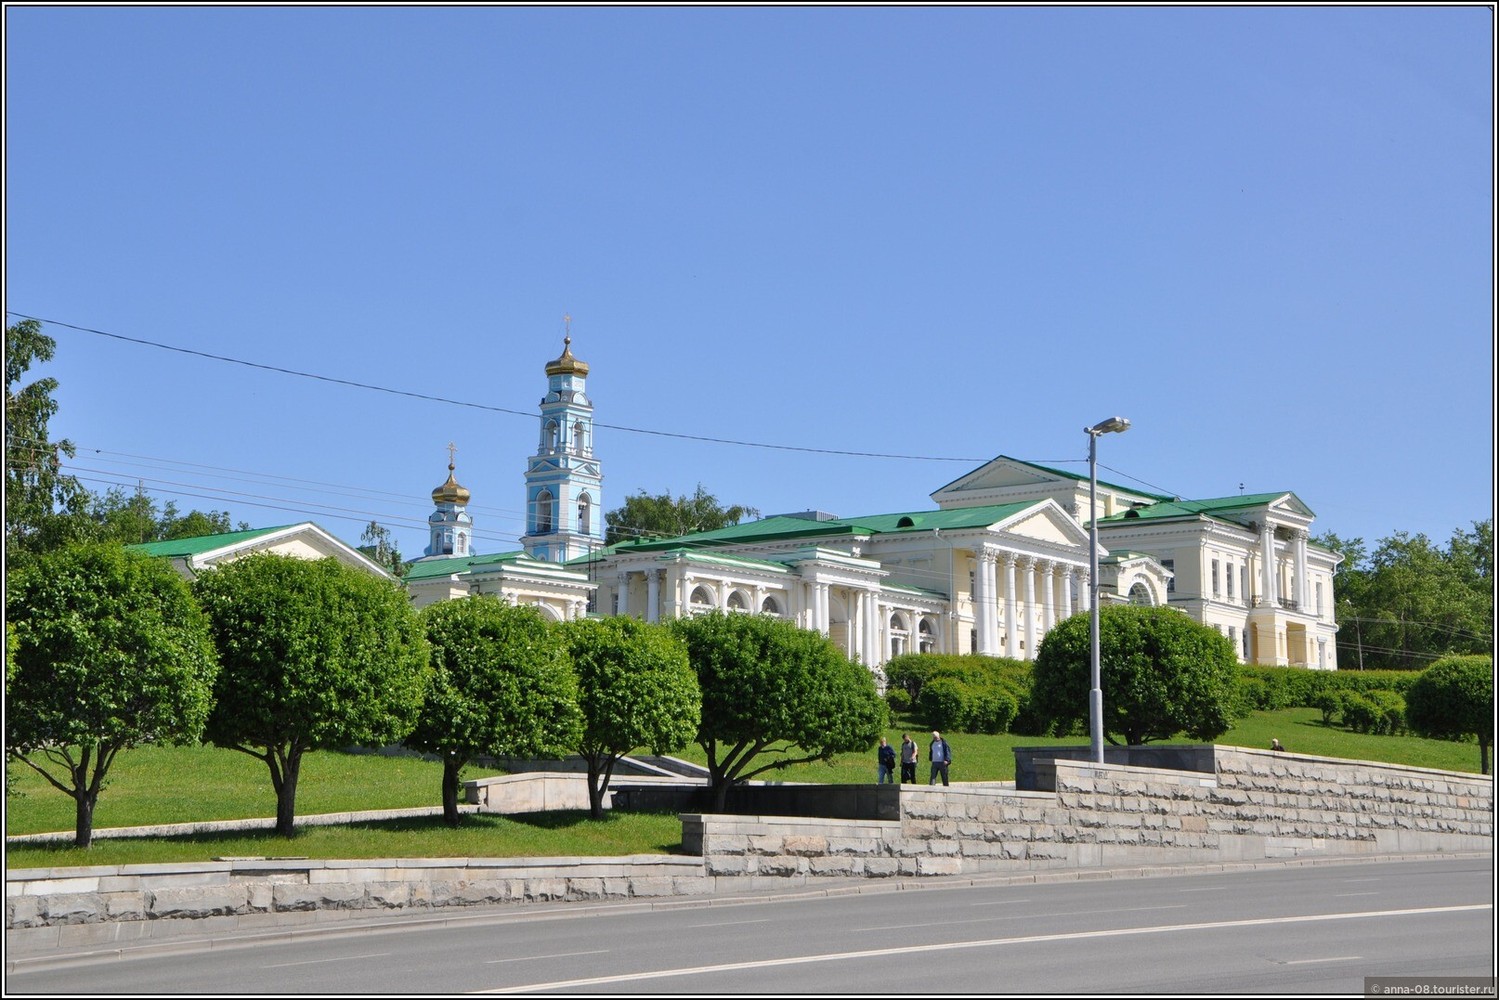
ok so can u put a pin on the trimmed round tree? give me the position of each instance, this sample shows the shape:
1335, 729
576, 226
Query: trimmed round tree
636, 688
315, 655
1162, 674
775, 695
110, 650
501, 685
1454, 699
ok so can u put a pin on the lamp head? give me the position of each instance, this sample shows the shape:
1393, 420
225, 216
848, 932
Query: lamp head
1113, 425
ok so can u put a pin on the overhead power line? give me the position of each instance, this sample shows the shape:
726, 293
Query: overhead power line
483, 406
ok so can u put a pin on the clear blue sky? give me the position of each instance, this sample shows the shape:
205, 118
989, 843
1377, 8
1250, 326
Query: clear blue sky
1265, 235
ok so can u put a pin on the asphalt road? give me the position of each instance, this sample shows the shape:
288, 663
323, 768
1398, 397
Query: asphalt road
1314, 929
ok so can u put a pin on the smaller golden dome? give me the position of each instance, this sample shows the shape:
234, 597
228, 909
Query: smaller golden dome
450, 491
567, 364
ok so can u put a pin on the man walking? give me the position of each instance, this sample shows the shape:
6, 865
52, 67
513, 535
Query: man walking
908, 755
940, 755
887, 763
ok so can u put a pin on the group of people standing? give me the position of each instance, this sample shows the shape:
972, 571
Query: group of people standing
939, 754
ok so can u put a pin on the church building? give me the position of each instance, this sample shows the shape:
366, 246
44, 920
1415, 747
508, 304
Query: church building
999, 560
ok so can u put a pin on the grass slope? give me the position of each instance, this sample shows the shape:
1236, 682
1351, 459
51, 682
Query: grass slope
185, 784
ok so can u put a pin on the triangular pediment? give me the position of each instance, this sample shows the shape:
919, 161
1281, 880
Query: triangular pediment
1002, 475
1045, 522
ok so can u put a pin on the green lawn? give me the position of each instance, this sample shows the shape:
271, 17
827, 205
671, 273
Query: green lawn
185, 784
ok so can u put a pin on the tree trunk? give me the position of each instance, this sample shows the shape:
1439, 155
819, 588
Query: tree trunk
83, 824
1483, 755
720, 793
595, 789
451, 766
286, 795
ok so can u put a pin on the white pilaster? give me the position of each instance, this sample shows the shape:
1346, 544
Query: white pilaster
1012, 624
1028, 567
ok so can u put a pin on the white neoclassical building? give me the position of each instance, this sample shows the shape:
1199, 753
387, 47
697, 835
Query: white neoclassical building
997, 563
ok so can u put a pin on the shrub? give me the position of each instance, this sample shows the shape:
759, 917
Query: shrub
1330, 703
898, 700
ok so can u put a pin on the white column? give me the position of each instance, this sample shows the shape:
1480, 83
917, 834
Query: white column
1028, 565
979, 603
1012, 624
624, 595
820, 608
1301, 587
1048, 595
1085, 591
1268, 570
652, 595
1068, 573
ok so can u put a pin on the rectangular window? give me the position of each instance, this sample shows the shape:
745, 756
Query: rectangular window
1170, 566
1319, 598
1228, 578
1217, 590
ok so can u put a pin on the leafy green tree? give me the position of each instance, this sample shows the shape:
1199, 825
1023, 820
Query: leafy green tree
133, 519
1162, 674
1454, 699
774, 695
501, 685
636, 688
380, 545
37, 491
110, 651
315, 655
1412, 601
645, 516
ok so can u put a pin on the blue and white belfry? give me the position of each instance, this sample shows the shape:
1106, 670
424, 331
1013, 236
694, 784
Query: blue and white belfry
564, 487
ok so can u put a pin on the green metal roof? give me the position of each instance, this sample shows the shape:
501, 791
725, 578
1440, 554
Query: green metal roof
1075, 476
784, 528
179, 548
1222, 508
427, 569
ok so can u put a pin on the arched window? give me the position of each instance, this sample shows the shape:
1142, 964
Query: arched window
700, 601
585, 514
544, 518
549, 436
579, 445
1139, 594
928, 641
462, 544
736, 602
770, 606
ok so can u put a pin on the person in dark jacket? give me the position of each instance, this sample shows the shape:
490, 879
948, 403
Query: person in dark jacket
940, 754
887, 763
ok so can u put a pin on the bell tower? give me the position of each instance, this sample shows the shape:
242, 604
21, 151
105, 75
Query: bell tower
564, 508
450, 526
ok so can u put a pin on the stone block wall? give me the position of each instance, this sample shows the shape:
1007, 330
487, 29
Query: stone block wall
1257, 805
96, 905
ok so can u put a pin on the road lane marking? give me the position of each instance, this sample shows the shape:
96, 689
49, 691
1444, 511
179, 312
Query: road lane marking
323, 961
734, 923
1016, 916
537, 958
1000, 902
1370, 893
1315, 961
848, 956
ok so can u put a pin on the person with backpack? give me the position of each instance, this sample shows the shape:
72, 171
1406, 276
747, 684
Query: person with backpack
908, 755
940, 754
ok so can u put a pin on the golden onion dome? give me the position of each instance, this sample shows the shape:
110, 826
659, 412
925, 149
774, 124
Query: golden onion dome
567, 364
450, 491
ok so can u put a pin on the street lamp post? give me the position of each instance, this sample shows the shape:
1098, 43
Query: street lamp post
1113, 425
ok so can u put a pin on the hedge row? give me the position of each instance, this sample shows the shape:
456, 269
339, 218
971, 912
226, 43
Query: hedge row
964, 693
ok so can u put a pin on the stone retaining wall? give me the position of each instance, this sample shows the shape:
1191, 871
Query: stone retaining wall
1259, 805
118, 903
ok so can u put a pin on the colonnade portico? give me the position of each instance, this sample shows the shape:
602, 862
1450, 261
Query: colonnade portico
1056, 580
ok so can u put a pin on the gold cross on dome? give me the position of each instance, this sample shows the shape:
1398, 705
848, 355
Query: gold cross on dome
452, 450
